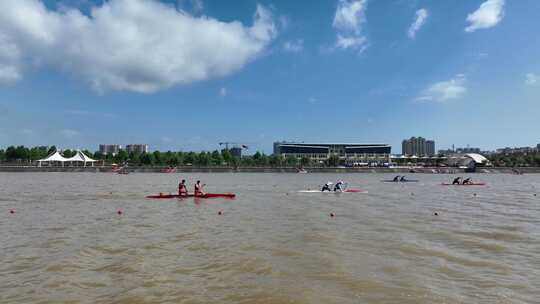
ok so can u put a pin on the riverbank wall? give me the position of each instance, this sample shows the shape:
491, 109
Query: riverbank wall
149, 169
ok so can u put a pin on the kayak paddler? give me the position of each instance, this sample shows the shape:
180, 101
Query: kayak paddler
467, 181
456, 181
396, 179
198, 188
338, 186
182, 189
326, 187
403, 179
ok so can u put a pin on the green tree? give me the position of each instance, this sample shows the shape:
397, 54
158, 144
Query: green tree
333, 161
305, 161
189, 158
172, 160
121, 157
68, 153
247, 161
227, 156
98, 155
147, 159
2, 155
134, 158
203, 159
158, 158
257, 157
34, 153
180, 158
276, 160
291, 161
217, 159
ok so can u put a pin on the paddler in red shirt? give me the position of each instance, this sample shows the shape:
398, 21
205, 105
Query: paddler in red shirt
182, 189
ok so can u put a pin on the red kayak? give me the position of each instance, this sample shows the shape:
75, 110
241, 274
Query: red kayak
354, 190
471, 184
206, 195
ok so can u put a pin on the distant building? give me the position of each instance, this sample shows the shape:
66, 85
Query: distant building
538, 147
236, 152
519, 150
430, 147
110, 149
349, 154
468, 150
418, 146
446, 152
137, 148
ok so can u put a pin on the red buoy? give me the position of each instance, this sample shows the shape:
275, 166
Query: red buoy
11, 211
220, 212
332, 214
119, 212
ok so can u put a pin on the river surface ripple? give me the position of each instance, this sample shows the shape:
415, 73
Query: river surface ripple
66, 243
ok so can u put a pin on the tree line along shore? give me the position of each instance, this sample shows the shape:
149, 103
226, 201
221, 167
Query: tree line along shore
24, 156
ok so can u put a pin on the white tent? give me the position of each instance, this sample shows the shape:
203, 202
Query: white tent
57, 157
81, 157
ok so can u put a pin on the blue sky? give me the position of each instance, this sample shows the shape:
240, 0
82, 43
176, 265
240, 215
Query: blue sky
185, 75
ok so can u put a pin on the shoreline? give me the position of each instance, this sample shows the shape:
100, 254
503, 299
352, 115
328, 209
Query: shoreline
365, 170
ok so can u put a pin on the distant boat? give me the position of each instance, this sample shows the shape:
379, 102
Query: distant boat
169, 170
301, 170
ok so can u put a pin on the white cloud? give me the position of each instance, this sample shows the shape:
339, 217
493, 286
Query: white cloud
489, 14
345, 42
69, 133
420, 19
9, 60
444, 90
348, 21
350, 14
293, 46
223, 92
532, 79
133, 45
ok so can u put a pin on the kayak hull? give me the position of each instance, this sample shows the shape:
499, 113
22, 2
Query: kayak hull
473, 184
206, 195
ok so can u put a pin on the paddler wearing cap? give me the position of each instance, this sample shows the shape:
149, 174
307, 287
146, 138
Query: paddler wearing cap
326, 187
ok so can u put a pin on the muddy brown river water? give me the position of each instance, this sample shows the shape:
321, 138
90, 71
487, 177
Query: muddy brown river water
66, 243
